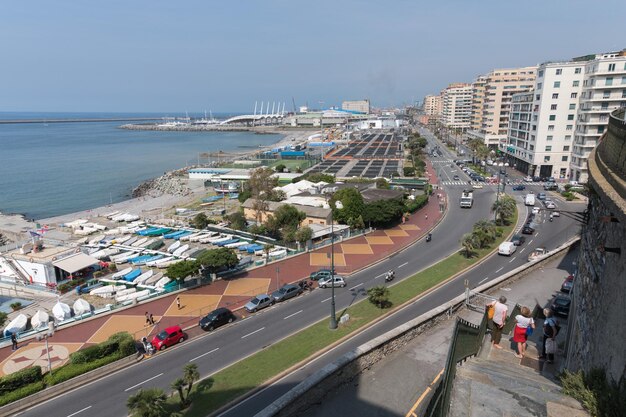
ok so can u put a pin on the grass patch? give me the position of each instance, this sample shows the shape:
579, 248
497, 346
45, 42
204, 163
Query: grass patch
227, 384
596, 394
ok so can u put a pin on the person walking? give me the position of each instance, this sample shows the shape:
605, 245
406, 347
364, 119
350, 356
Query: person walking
523, 322
498, 320
147, 319
549, 335
178, 302
14, 341
151, 319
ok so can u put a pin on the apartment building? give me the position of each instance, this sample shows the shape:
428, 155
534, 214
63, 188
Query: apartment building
604, 90
492, 102
457, 106
359, 106
432, 105
540, 143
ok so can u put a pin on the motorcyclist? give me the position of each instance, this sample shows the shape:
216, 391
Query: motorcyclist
390, 275
429, 237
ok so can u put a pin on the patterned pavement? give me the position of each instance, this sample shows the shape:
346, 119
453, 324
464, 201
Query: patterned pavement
351, 255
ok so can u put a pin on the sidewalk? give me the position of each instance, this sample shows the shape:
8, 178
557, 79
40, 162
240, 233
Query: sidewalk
395, 385
350, 256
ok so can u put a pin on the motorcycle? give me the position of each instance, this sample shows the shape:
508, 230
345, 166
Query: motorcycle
390, 275
429, 237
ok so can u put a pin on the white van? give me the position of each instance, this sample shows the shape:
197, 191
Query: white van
530, 199
507, 248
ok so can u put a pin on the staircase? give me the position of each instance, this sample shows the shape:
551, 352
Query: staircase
496, 383
20, 277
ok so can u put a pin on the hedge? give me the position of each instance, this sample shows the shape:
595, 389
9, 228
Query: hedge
71, 370
413, 205
20, 378
122, 343
21, 392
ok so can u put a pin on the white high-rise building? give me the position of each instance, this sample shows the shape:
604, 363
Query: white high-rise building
457, 106
432, 105
604, 90
546, 151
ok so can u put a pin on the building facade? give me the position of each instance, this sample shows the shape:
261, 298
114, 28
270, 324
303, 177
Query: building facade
432, 105
478, 99
457, 106
359, 106
604, 90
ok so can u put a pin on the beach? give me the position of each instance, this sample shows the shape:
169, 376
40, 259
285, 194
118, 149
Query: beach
153, 201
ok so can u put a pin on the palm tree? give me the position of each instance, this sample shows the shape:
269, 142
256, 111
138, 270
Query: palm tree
178, 385
504, 208
267, 249
378, 296
484, 233
147, 403
469, 244
190, 375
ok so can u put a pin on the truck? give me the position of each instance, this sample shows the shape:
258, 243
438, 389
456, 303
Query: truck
530, 199
467, 199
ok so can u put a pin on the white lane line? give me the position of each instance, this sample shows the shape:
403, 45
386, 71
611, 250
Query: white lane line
499, 270
537, 234
531, 241
522, 250
250, 334
356, 286
404, 264
204, 354
512, 260
326, 299
147, 380
80, 411
291, 315
486, 278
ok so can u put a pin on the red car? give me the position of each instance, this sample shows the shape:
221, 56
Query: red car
168, 337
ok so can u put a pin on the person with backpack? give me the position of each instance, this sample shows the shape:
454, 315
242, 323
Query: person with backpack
497, 311
550, 330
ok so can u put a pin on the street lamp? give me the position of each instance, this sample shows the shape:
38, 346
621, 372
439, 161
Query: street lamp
333, 316
45, 337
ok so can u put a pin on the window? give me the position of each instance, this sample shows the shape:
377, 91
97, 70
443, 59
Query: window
559, 71
623, 93
570, 117
546, 158
572, 106
564, 158
548, 148
577, 70
575, 83
540, 73
573, 95
604, 118
569, 127
605, 106
549, 137
550, 127
600, 129
552, 117
568, 137
555, 95
606, 94
609, 81
538, 97
557, 84
553, 107
565, 148
611, 67
539, 85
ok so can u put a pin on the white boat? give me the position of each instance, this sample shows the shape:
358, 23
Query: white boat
157, 262
96, 240
124, 291
171, 248
130, 241
120, 256
201, 236
40, 320
167, 263
129, 218
17, 325
181, 250
85, 232
61, 311
76, 223
81, 307
103, 253
147, 243
279, 252
154, 278
125, 259
121, 239
140, 242
112, 214
107, 291
121, 273
220, 239
236, 244
143, 277
188, 237
132, 296
162, 282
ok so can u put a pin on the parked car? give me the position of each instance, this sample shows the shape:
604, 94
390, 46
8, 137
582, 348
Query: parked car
519, 187
168, 337
286, 292
327, 282
528, 178
567, 284
536, 179
216, 318
551, 186
541, 196
560, 304
259, 302
456, 177
518, 240
322, 273
537, 253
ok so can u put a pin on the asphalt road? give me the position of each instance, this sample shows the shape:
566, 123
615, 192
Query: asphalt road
214, 351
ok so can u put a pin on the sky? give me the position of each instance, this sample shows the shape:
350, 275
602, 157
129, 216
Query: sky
165, 56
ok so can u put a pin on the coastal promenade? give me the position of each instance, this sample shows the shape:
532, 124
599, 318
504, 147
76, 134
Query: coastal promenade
350, 256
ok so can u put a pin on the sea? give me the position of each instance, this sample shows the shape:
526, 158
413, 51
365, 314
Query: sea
51, 169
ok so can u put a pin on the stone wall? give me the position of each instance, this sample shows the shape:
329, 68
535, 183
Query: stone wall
597, 329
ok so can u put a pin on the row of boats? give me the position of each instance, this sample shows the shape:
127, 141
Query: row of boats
41, 319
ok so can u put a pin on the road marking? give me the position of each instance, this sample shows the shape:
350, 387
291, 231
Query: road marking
512, 260
291, 315
250, 334
522, 250
204, 354
537, 234
358, 285
531, 241
404, 264
80, 411
326, 299
411, 412
147, 380
486, 278
499, 270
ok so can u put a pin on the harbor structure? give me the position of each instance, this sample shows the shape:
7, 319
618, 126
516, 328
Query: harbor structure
358, 106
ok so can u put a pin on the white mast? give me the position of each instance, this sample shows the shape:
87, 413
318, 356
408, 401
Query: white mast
255, 107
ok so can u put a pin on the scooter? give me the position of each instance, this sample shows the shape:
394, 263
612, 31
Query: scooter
429, 237
390, 275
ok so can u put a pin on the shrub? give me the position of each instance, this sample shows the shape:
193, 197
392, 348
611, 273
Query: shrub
88, 354
125, 342
16, 306
413, 205
20, 378
71, 370
119, 344
63, 288
409, 171
22, 392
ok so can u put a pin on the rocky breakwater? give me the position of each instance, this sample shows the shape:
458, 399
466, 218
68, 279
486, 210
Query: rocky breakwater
172, 183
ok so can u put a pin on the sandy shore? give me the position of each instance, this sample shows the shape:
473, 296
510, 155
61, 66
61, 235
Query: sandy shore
16, 227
